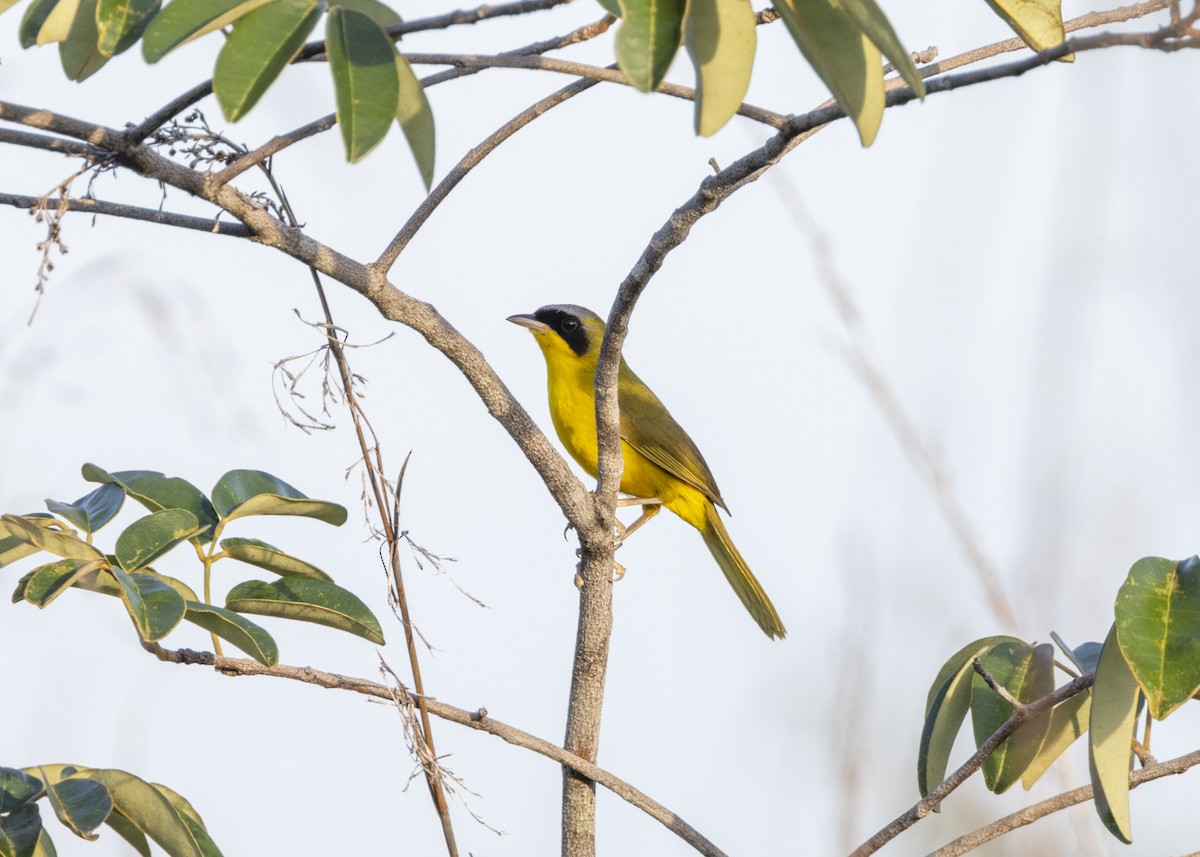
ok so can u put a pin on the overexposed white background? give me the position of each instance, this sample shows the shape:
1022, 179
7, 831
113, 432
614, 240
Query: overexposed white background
1023, 255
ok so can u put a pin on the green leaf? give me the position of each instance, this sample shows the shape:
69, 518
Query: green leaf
416, 120
79, 53
946, 706
58, 22
13, 547
157, 492
148, 810
62, 543
81, 805
240, 493
1067, 723
381, 13
307, 600
1027, 672
45, 845
720, 38
876, 27
263, 555
1158, 629
1038, 22
184, 20
19, 593
47, 582
647, 40
20, 830
1113, 717
91, 511
261, 44
191, 819
238, 630
366, 81
33, 20
128, 831
122, 22
844, 58
102, 581
148, 538
17, 788
612, 7
155, 606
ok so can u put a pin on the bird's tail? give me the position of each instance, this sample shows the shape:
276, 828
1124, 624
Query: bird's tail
747, 587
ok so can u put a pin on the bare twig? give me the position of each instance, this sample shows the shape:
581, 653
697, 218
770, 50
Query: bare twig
447, 20
1000, 690
274, 146
469, 161
44, 141
479, 720
132, 212
927, 804
1030, 814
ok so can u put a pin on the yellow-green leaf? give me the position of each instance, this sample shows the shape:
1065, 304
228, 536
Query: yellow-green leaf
14, 547
946, 706
307, 600
1027, 672
416, 120
79, 53
20, 830
1158, 629
1067, 723
49, 581
238, 630
1110, 739
148, 810
184, 20
381, 13
263, 555
58, 542
81, 805
876, 27
122, 22
842, 56
720, 38
242, 493
33, 20
148, 538
58, 23
153, 603
262, 43
1038, 22
647, 40
366, 84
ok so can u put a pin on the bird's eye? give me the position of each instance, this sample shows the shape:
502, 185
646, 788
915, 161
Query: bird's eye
569, 324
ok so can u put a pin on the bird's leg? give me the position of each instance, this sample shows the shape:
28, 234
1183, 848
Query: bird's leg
650, 507
618, 570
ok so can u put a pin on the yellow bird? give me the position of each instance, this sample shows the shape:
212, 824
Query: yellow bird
663, 467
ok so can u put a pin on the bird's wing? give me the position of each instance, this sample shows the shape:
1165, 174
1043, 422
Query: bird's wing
648, 427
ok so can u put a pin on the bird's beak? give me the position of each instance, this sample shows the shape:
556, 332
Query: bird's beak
530, 322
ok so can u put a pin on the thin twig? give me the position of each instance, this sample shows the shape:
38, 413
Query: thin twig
1030, 814
1000, 690
46, 142
578, 69
469, 161
479, 720
132, 212
138, 133
447, 20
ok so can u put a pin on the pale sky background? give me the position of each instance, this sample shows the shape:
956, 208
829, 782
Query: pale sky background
1023, 253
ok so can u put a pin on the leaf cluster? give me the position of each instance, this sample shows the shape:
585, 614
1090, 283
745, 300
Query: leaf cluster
1149, 660
180, 513
84, 798
845, 42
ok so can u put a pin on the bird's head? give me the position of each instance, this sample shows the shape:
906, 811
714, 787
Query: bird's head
564, 330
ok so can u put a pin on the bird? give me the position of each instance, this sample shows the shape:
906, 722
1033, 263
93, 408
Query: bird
663, 467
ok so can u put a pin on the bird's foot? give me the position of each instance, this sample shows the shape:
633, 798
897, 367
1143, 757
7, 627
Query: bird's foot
618, 571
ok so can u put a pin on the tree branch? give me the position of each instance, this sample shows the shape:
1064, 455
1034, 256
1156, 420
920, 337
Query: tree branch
479, 720
927, 804
211, 225
469, 161
1030, 814
44, 141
